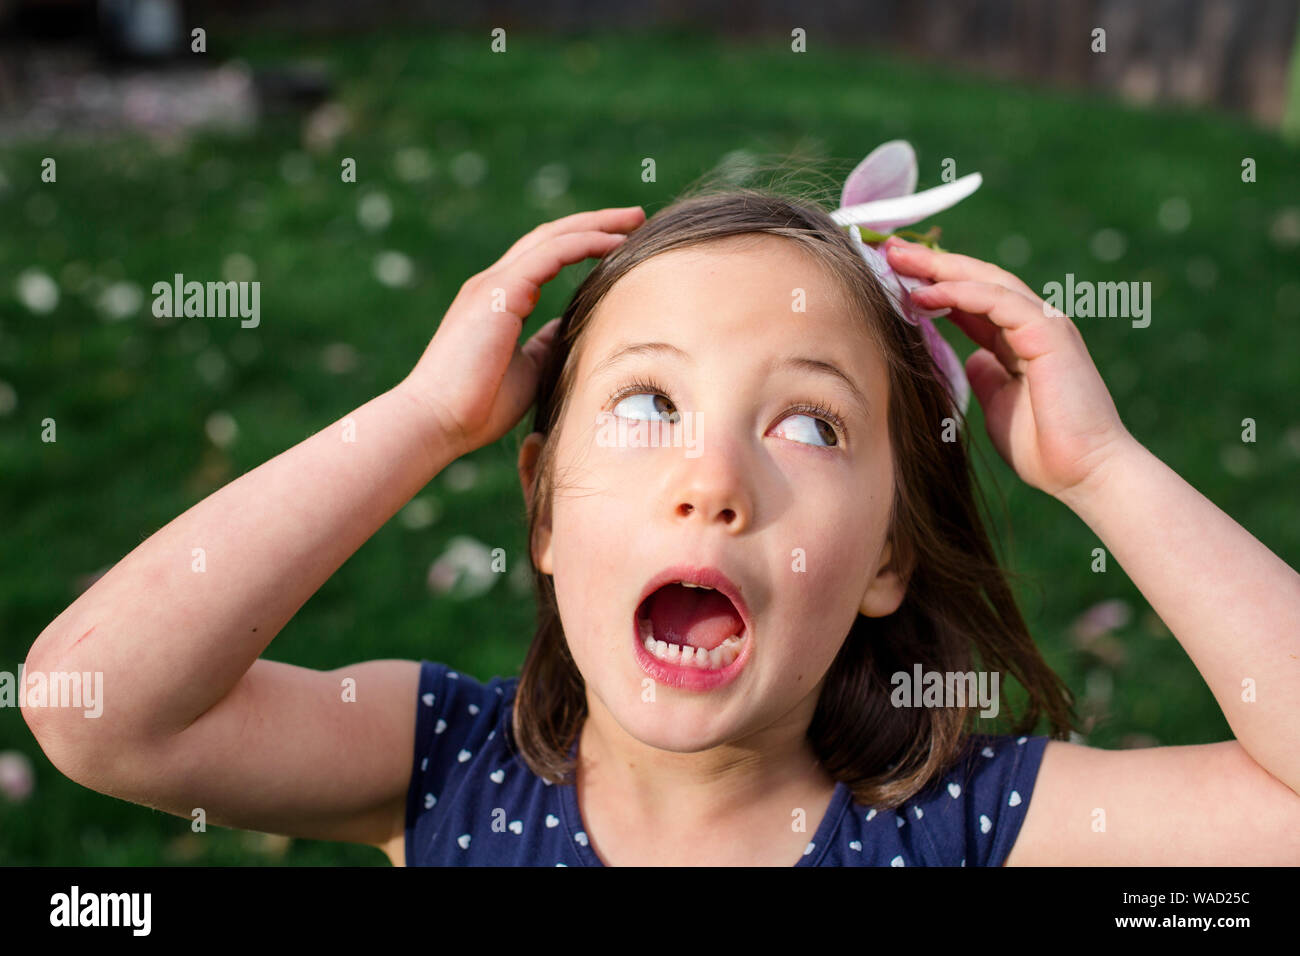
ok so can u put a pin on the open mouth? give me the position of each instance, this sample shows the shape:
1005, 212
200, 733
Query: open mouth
691, 626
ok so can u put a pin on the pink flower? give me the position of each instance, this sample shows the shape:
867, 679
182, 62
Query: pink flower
879, 196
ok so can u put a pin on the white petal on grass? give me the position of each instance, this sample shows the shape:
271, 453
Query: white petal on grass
905, 210
1175, 214
413, 164
339, 358
1108, 245
17, 776
737, 166
420, 513
1292, 440
1101, 618
221, 429
464, 570
238, 267
520, 578
37, 291
120, 300
1099, 685
550, 182
1237, 460
468, 168
460, 475
211, 366
1285, 230
374, 211
393, 268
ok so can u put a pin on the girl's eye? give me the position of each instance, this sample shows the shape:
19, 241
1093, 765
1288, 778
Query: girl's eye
820, 428
648, 406
646, 401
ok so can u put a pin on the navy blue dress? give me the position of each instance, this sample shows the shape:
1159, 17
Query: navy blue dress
472, 803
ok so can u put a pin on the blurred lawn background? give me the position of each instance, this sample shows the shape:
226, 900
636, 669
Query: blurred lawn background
459, 152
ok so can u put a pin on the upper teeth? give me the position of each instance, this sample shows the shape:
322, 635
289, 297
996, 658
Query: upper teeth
688, 584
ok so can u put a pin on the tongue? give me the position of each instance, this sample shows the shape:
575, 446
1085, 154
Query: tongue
693, 616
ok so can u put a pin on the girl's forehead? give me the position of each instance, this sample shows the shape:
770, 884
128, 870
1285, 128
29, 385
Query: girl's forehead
747, 297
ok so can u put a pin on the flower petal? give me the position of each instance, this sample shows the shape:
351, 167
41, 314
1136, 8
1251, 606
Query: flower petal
883, 215
949, 365
884, 272
888, 171
896, 285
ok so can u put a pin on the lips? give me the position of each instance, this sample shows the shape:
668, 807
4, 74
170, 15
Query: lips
710, 577
674, 671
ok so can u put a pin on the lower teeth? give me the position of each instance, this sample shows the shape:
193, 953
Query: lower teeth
689, 656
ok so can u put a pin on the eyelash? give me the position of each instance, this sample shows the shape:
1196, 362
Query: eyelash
830, 413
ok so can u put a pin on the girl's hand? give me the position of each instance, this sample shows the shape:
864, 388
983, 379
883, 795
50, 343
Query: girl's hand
1045, 405
474, 378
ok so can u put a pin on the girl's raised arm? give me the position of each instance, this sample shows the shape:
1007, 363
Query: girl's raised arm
1231, 602
190, 717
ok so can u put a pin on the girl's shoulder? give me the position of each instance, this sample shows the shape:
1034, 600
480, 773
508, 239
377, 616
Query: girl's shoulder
969, 815
472, 800
457, 714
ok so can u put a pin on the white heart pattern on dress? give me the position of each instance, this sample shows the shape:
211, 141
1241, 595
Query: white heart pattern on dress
496, 776
463, 756
985, 824
1015, 799
429, 801
463, 840
442, 725
987, 751
516, 827
954, 790
897, 861
552, 821
473, 709
428, 700
855, 845
580, 837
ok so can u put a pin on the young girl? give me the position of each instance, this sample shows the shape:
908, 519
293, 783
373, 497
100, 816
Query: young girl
751, 527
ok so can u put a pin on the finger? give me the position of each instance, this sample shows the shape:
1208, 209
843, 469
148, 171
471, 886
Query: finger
1018, 320
918, 260
986, 375
541, 342
602, 220
988, 337
516, 286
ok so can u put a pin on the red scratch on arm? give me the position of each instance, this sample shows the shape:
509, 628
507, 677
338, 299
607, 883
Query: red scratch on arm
83, 637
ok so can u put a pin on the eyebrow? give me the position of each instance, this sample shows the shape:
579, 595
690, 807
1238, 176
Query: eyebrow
802, 363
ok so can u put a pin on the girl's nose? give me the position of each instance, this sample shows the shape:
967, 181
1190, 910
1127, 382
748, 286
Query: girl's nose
714, 489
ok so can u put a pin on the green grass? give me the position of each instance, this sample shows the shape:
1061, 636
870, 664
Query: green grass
130, 403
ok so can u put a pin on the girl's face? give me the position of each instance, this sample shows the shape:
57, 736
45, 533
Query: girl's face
788, 504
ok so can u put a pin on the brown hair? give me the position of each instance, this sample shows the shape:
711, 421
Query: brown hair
957, 602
